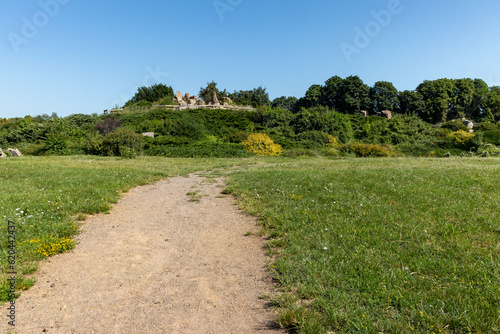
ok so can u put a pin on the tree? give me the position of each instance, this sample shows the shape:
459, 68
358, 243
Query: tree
437, 96
312, 98
242, 97
329, 94
284, 102
462, 99
384, 96
151, 94
206, 93
260, 97
480, 108
353, 96
493, 103
411, 103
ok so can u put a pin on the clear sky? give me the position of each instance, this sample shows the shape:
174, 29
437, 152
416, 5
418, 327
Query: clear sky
84, 56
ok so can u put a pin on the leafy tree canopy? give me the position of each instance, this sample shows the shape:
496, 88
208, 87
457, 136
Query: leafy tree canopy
153, 93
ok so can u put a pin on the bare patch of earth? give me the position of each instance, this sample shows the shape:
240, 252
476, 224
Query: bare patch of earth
160, 262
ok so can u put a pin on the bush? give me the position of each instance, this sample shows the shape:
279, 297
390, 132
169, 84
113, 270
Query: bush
462, 137
261, 144
333, 142
455, 125
200, 150
167, 101
311, 139
367, 150
150, 94
122, 143
487, 150
492, 137
486, 126
56, 144
299, 152
141, 104
108, 125
236, 136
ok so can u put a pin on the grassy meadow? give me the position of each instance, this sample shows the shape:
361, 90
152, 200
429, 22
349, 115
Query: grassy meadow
381, 245
405, 245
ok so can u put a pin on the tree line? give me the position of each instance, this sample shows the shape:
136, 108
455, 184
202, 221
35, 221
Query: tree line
434, 101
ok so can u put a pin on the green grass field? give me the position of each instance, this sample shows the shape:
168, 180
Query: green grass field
381, 245
357, 245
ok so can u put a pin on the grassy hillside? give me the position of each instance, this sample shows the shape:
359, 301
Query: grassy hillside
219, 133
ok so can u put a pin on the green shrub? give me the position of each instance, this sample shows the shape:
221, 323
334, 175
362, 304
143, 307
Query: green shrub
236, 136
185, 127
299, 152
487, 150
311, 139
141, 104
56, 144
123, 143
486, 126
455, 125
462, 139
200, 150
367, 150
492, 137
167, 101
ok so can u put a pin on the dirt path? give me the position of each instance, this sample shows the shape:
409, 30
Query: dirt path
157, 263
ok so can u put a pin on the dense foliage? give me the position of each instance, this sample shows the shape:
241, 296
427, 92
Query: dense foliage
220, 133
433, 101
425, 122
147, 95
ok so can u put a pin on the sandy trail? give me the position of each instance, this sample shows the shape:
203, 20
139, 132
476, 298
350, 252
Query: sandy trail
157, 263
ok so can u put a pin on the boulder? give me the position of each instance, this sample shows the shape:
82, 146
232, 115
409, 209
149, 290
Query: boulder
192, 101
201, 102
2, 154
214, 98
468, 124
188, 96
178, 97
227, 99
364, 113
148, 134
385, 113
14, 152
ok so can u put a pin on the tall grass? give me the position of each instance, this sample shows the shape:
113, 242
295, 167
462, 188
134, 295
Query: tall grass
381, 246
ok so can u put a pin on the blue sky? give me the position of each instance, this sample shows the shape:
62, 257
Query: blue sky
84, 56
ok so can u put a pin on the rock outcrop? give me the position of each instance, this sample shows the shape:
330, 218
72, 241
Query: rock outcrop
14, 152
364, 113
178, 97
385, 113
2, 154
214, 98
468, 124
